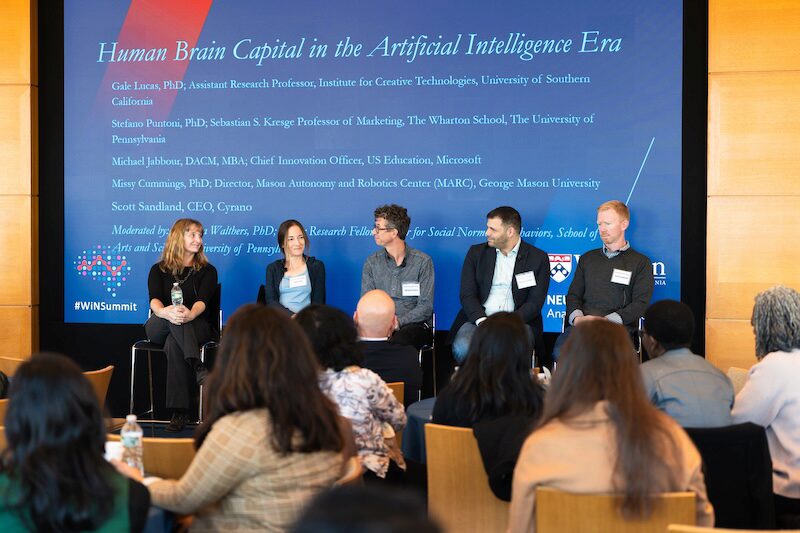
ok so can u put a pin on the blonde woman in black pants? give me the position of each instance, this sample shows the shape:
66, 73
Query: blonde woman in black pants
182, 328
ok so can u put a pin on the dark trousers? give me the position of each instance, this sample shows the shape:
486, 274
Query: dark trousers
182, 346
787, 512
416, 334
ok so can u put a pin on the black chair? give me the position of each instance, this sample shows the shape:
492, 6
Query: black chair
262, 295
738, 473
432, 349
215, 309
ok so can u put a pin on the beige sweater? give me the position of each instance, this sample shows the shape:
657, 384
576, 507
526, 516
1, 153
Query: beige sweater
579, 457
238, 482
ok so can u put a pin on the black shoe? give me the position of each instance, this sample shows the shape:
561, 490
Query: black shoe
201, 373
178, 422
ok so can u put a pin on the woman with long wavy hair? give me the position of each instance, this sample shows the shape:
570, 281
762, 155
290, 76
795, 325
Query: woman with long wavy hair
600, 433
272, 439
182, 327
53, 476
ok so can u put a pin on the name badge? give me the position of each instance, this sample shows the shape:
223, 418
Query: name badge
411, 288
526, 279
623, 277
298, 281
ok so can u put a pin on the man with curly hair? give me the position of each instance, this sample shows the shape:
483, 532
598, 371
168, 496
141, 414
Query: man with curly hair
404, 273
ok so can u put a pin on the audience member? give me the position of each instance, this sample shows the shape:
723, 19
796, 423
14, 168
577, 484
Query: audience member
375, 321
271, 441
297, 280
771, 394
53, 476
600, 434
362, 396
181, 327
495, 394
371, 509
684, 385
614, 282
504, 273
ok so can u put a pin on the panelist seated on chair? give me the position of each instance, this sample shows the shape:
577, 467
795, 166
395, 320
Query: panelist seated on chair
271, 440
375, 321
614, 282
297, 280
495, 394
684, 385
183, 328
404, 273
504, 273
599, 433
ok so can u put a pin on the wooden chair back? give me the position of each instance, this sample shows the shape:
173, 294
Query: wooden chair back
3, 441
680, 528
398, 389
459, 497
352, 473
9, 365
164, 457
100, 380
565, 512
3, 411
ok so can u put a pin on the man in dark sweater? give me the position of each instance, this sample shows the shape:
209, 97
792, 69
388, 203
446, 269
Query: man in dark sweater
614, 282
376, 320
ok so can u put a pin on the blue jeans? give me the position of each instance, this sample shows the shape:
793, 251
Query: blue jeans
462, 340
464, 337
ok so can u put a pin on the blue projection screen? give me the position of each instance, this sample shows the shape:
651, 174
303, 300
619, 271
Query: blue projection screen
244, 113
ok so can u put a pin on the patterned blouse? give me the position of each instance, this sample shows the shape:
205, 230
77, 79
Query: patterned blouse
365, 399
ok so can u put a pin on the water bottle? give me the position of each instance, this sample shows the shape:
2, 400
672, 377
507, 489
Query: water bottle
176, 294
132, 443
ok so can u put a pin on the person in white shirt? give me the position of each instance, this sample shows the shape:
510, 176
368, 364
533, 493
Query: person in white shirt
771, 395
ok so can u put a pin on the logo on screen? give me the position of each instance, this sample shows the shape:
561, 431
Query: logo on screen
103, 265
659, 273
560, 266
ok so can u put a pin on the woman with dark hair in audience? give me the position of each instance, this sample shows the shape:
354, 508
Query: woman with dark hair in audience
495, 394
297, 280
362, 396
53, 476
771, 395
599, 433
182, 328
271, 441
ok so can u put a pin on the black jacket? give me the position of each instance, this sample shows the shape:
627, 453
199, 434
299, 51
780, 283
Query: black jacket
476, 282
316, 273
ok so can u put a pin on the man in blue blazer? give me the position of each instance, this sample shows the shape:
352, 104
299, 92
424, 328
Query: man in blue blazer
503, 274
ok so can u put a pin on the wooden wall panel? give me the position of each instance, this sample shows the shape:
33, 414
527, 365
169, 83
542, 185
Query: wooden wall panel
753, 244
17, 334
15, 240
17, 29
730, 343
753, 35
753, 132
15, 138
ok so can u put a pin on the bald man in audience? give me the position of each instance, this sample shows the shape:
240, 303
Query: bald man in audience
376, 320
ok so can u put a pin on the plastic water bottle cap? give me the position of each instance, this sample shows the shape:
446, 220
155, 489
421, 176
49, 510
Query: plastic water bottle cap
130, 418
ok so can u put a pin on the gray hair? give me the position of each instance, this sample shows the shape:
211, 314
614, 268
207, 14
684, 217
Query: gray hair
776, 320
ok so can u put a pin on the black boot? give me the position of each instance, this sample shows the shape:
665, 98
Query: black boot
179, 420
200, 371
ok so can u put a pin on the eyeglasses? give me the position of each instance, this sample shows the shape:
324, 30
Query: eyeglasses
378, 229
